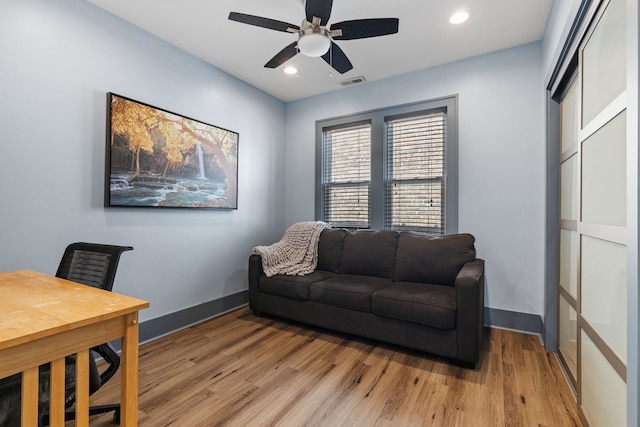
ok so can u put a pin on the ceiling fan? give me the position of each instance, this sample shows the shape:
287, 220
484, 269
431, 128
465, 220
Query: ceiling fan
315, 38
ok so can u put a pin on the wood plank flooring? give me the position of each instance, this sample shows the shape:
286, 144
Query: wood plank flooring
243, 370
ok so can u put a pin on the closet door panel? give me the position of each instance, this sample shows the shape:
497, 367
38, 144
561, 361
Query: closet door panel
568, 336
604, 62
604, 174
569, 261
603, 392
604, 291
569, 188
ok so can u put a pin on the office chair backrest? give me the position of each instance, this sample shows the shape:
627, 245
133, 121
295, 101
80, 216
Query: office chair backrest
91, 264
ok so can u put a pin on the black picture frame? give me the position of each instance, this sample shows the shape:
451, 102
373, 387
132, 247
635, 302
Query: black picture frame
159, 159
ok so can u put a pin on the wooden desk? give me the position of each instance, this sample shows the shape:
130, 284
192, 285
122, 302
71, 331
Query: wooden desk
44, 318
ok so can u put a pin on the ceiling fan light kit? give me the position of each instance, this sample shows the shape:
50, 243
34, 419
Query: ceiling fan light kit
314, 42
315, 39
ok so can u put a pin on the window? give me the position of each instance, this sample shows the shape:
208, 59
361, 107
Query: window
347, 175
416, 172
390, 169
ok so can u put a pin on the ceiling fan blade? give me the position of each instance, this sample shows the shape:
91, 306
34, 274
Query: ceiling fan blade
319, 8
337, 59
259, 21
364, 28
283, 56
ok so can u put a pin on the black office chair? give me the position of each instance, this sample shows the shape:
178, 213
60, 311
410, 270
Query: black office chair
93, 265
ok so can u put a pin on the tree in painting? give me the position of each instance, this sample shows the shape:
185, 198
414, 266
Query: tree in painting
163, 159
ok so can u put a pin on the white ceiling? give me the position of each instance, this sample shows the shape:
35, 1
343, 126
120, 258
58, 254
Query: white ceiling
425, 37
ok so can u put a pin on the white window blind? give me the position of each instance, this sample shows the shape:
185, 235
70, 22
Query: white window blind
347, 175
416, 173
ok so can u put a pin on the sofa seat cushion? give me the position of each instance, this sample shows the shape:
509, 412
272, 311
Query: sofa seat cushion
433, 305
347, 291
291, 286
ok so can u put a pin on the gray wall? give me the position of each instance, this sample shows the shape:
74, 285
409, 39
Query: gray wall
501, 159
57, 61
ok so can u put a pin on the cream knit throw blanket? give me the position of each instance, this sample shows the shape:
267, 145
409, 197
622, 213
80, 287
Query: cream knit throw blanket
296, 253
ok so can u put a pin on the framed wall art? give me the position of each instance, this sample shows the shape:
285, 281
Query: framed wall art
156, 158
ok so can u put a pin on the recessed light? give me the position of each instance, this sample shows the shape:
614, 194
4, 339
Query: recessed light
459, 17
291, 70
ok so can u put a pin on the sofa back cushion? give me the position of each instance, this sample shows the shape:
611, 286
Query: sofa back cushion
435, 260
370, 253
330, 248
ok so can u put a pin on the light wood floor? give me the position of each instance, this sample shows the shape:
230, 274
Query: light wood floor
243, 370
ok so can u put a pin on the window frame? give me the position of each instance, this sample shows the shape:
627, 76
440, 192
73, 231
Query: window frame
378, 119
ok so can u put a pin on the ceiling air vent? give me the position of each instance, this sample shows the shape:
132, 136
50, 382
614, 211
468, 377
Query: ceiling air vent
353, 81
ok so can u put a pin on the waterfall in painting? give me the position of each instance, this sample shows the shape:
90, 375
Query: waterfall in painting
200, 159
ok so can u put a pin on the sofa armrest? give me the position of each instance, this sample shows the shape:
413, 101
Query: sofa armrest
470, 310
255, 270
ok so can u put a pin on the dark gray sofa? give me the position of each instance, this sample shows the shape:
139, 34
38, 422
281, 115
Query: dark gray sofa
403, 288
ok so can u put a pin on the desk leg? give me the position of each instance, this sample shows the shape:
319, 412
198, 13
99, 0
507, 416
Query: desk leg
129, 367
82, 388
30, 397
